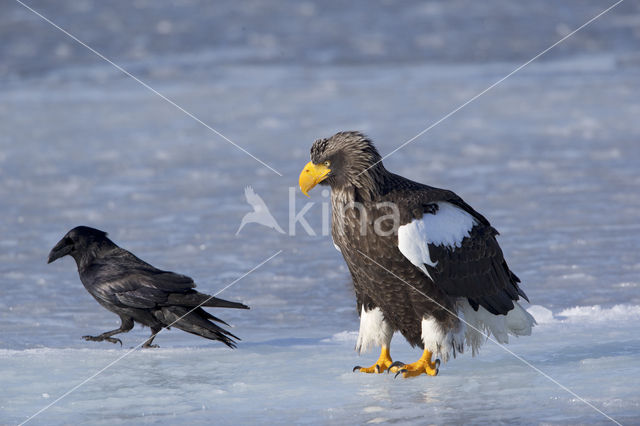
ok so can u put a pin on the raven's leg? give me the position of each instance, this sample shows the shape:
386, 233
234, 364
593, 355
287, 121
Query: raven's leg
127, 324
154, 330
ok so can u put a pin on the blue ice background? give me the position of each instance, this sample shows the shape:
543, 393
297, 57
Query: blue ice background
551, 157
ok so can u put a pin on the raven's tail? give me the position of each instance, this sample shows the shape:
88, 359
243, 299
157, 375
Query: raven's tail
196, 322
194, 298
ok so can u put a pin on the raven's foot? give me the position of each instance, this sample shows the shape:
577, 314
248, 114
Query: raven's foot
382, 364
101, 338
154, 332
423, 365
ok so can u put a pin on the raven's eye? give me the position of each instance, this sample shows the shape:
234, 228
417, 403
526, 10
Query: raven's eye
327, 163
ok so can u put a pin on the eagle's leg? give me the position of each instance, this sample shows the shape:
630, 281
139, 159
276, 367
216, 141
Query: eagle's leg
423, 365
382, 364
127, 324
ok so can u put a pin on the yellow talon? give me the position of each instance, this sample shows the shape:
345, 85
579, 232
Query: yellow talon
381, 365
423, 365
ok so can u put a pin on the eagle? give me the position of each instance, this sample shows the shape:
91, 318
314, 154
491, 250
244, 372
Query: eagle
137, 291
423, 262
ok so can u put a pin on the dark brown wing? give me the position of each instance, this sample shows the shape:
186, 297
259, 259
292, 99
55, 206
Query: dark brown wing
471, 267
476, 270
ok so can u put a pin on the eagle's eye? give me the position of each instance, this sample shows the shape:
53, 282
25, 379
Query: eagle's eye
327, 163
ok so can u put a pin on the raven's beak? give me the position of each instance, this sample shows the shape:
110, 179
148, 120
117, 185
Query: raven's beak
61, 249
311, 175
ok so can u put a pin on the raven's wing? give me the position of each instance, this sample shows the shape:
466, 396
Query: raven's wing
126, 281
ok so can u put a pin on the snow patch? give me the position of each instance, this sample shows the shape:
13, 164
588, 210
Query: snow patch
541, 314
596, 314
343, 336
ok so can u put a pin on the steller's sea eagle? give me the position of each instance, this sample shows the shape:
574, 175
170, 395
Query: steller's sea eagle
423, 262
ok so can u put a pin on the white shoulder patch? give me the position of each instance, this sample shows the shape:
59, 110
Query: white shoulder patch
412, 242
449, 226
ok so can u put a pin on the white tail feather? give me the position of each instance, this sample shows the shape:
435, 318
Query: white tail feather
519, 321
474, 328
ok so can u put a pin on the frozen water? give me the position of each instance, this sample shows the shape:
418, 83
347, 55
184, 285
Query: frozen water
551, 157
300, 379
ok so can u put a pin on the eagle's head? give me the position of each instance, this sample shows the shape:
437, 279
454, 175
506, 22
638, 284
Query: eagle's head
346, 159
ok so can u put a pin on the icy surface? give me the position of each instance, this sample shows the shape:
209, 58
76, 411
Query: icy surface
551, 157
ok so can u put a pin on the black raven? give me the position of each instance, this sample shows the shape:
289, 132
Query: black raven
136, 291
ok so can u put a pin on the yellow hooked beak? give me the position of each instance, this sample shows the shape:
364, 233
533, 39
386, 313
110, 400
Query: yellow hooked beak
311, 175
